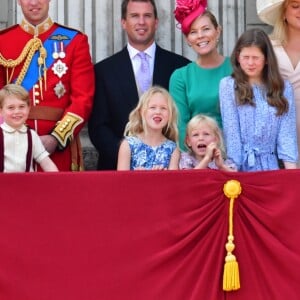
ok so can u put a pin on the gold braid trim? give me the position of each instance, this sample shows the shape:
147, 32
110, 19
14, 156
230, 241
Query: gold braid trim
26, 55
64, 129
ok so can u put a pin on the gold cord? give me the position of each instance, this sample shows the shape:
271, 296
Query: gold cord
26, 55
231, 278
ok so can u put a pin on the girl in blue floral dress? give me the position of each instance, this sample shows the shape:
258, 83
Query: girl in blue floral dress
151, 134
257, 108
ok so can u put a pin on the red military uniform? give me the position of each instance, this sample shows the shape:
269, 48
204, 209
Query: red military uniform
60, 79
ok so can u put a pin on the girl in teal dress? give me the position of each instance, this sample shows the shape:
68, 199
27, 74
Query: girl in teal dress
195, 87
151, 134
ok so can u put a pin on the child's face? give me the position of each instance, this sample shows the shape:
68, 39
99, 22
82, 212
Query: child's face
252, 62
199, 138
14, 111
157, 112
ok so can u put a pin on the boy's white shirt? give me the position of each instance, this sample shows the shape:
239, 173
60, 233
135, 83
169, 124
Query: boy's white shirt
15, 148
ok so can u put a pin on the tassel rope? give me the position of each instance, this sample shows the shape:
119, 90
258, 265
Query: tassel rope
231, 279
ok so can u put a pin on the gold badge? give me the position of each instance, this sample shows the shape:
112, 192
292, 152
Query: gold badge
60, 68
59, 89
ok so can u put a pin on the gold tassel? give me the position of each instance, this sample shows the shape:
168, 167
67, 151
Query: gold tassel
42, 65
43, 55
231, 278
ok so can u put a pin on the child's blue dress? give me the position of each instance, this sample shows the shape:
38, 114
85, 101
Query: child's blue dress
145, 156
255, 136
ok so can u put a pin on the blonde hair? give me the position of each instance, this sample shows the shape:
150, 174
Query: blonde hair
279, 33
16, 90
212, 124
136, 124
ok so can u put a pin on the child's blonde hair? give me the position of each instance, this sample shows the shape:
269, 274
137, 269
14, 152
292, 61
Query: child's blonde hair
16, 90
136, 124
211, 123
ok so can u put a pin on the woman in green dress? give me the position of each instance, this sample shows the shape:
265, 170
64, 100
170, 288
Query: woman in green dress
195, 87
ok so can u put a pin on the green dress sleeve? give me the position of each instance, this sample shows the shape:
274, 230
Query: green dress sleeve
177, 90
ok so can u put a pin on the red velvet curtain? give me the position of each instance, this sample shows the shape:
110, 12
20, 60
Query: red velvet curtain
147, 235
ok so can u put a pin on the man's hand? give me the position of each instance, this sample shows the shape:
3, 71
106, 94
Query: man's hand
49, 142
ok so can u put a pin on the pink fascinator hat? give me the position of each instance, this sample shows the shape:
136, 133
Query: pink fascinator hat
187, 11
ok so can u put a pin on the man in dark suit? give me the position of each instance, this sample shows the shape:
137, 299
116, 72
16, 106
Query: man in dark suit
117, 88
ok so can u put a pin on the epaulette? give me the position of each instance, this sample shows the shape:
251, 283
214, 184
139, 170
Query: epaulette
8, 28
68, 27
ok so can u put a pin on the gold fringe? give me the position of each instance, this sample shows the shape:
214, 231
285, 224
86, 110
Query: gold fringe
231, 278
76, 155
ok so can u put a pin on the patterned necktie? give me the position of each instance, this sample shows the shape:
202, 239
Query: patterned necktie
143, 74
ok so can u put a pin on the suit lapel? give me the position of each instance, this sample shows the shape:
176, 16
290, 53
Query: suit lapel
161, 67
125, 77
157, 65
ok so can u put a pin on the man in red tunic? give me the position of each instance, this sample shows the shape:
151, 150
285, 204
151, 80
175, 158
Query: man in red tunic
53, 63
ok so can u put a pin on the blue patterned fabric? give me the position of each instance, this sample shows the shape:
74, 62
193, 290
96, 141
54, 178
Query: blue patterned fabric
145, 156
189, 161
255, 137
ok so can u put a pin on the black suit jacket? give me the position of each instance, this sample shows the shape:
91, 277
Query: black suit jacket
116, 96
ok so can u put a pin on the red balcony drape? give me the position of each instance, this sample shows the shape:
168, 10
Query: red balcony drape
147, 235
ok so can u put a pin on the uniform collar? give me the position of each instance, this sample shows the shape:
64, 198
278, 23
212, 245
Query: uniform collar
38, 29
10, 129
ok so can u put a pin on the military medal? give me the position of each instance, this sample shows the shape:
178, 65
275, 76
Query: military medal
59, 53
59, 68
55, 53
59, 89
62, 53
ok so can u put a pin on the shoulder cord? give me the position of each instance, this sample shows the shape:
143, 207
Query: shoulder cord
27, 54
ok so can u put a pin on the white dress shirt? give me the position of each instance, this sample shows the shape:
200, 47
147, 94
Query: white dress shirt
135, 59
